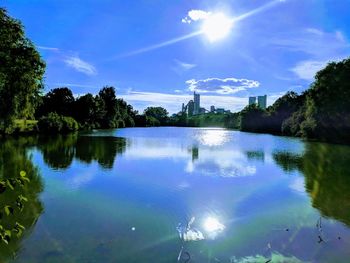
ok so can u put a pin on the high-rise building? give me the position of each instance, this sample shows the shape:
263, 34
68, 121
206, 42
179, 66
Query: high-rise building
252, 100
262, 102
190, 108
212, 108
196, 99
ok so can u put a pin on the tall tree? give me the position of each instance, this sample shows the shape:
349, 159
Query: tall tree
108, 97
21, 71
59, 100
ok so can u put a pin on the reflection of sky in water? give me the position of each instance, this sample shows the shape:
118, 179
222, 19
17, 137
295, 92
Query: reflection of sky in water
229, 181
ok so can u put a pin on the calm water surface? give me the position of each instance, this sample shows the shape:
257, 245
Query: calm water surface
123, 195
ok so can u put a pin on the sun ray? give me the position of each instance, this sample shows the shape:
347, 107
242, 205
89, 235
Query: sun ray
209, 31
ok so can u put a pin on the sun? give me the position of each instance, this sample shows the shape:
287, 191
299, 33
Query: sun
216, 26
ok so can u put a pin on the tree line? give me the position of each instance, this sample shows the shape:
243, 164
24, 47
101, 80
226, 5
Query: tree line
322, 112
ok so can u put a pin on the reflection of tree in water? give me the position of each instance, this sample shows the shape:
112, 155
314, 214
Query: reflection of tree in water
256, 155
327, 177
101, 149
58, 152
13, 159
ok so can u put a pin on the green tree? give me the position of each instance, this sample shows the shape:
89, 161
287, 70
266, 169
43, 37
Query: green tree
156, 116
20, 206
21, 72
252, 119
327, 116
109, 104
59, 100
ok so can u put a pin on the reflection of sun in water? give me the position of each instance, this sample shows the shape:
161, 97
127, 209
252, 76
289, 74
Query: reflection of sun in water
216, 26
212, 225
213, 137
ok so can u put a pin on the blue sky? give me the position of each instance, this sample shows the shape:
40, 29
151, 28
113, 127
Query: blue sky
88, 44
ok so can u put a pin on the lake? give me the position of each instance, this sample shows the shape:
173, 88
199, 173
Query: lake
179, 195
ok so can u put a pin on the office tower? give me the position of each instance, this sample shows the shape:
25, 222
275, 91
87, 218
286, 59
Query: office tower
196, 99
190, 108
252, 100
262, 102
212, 108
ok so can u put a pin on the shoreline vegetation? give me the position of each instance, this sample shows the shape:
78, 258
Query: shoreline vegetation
320, 113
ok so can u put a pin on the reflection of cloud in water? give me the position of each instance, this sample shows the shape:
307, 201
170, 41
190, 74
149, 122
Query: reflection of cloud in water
83, 177
298, 185
223, 161
225, 164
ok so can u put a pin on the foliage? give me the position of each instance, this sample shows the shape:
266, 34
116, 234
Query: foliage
54, 123
20, 186
59, 100
322, 112
21, 72
156, 116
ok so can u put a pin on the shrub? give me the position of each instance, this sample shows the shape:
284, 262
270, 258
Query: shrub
54, 123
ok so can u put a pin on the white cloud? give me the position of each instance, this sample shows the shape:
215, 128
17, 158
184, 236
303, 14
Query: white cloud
183, 65
221, 86
307, 69
72, 85
80, 65
48, 48
319, 46
313, 42
195, 15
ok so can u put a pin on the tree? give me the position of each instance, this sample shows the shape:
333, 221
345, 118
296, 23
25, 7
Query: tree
59, 100
252, 119
109, 100
156, 113
327, 115
86, 109
21, 72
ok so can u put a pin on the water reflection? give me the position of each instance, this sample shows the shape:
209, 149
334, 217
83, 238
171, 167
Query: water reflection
59, 151
13, 159
327, 181
213, 137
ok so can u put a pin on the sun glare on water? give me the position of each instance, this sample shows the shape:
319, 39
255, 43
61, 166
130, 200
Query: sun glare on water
212, 225
216, 26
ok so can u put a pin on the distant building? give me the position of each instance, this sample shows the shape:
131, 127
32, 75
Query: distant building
190, 108
220, 110
262, 102
212, 108
252, 100
202, 110
197, 106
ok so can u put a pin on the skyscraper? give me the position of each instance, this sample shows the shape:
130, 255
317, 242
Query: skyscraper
262, 102
196, 99
252, 100
190, 108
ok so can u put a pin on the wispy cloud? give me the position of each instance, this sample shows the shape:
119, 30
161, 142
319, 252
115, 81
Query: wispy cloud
48, 48
221, 86
318, 46
180, 67
80, 65
58, 84
183, 65
194, 15
307, 69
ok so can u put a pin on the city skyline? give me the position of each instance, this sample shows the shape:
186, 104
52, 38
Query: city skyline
159, 60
